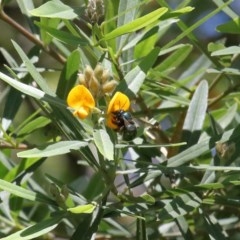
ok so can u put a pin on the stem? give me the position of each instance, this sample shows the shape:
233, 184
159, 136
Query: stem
5, 145
30, 36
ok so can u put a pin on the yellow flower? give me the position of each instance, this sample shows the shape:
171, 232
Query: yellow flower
81, 100
118, 102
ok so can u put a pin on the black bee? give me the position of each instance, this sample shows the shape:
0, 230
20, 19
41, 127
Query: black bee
125, 124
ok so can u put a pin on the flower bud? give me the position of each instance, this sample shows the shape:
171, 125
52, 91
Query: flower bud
95, 10
88, 73
81, 79
109, 87
105, 76
98, 71
94, 86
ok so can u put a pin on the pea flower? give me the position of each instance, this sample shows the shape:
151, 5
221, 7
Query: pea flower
81, 101
118, 102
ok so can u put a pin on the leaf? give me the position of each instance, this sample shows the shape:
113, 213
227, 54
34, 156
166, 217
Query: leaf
184, 228
88, 208
36, 230
179, 12
68, 74
88, 227
141, 233
13, 102
52, 149
144, 198
51, 23
196, 114
229, 71
34, 125
54, 9
175, 59
232, 26
137, 24
189, 154
33, 71
24, 193
227, 51
63, 36
135, 78
147, 39
201, 148
104, 144
129, 10
213, 227
180, 206
24, 88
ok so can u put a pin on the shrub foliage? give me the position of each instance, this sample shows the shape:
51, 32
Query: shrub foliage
176, 176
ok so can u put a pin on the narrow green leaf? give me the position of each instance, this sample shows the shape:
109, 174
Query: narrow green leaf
13, 102
24, 193
196, 114
180, 11
129, 9
36, 230
53, 149
24, 88
144, 198
17, 190
210, 186
201, 148
104, 144
230, 71
34, 125
184, 228
213, 227
69, 74
33, 71
10, 59
180, 206
137, 24
141, 233
88, 208
51, 23
175, 59
189, 154
63, 36
227, 51
197, 108
88, 227
135, 78
232, 26
54, 9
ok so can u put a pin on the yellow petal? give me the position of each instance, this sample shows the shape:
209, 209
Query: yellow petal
110, 123
81, 112
118, 102
81, 100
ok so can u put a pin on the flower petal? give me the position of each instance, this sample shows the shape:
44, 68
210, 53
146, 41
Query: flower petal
81, 100
118, 102
81, 112
110, 123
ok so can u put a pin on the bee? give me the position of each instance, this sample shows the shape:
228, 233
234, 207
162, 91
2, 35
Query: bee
125, 124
